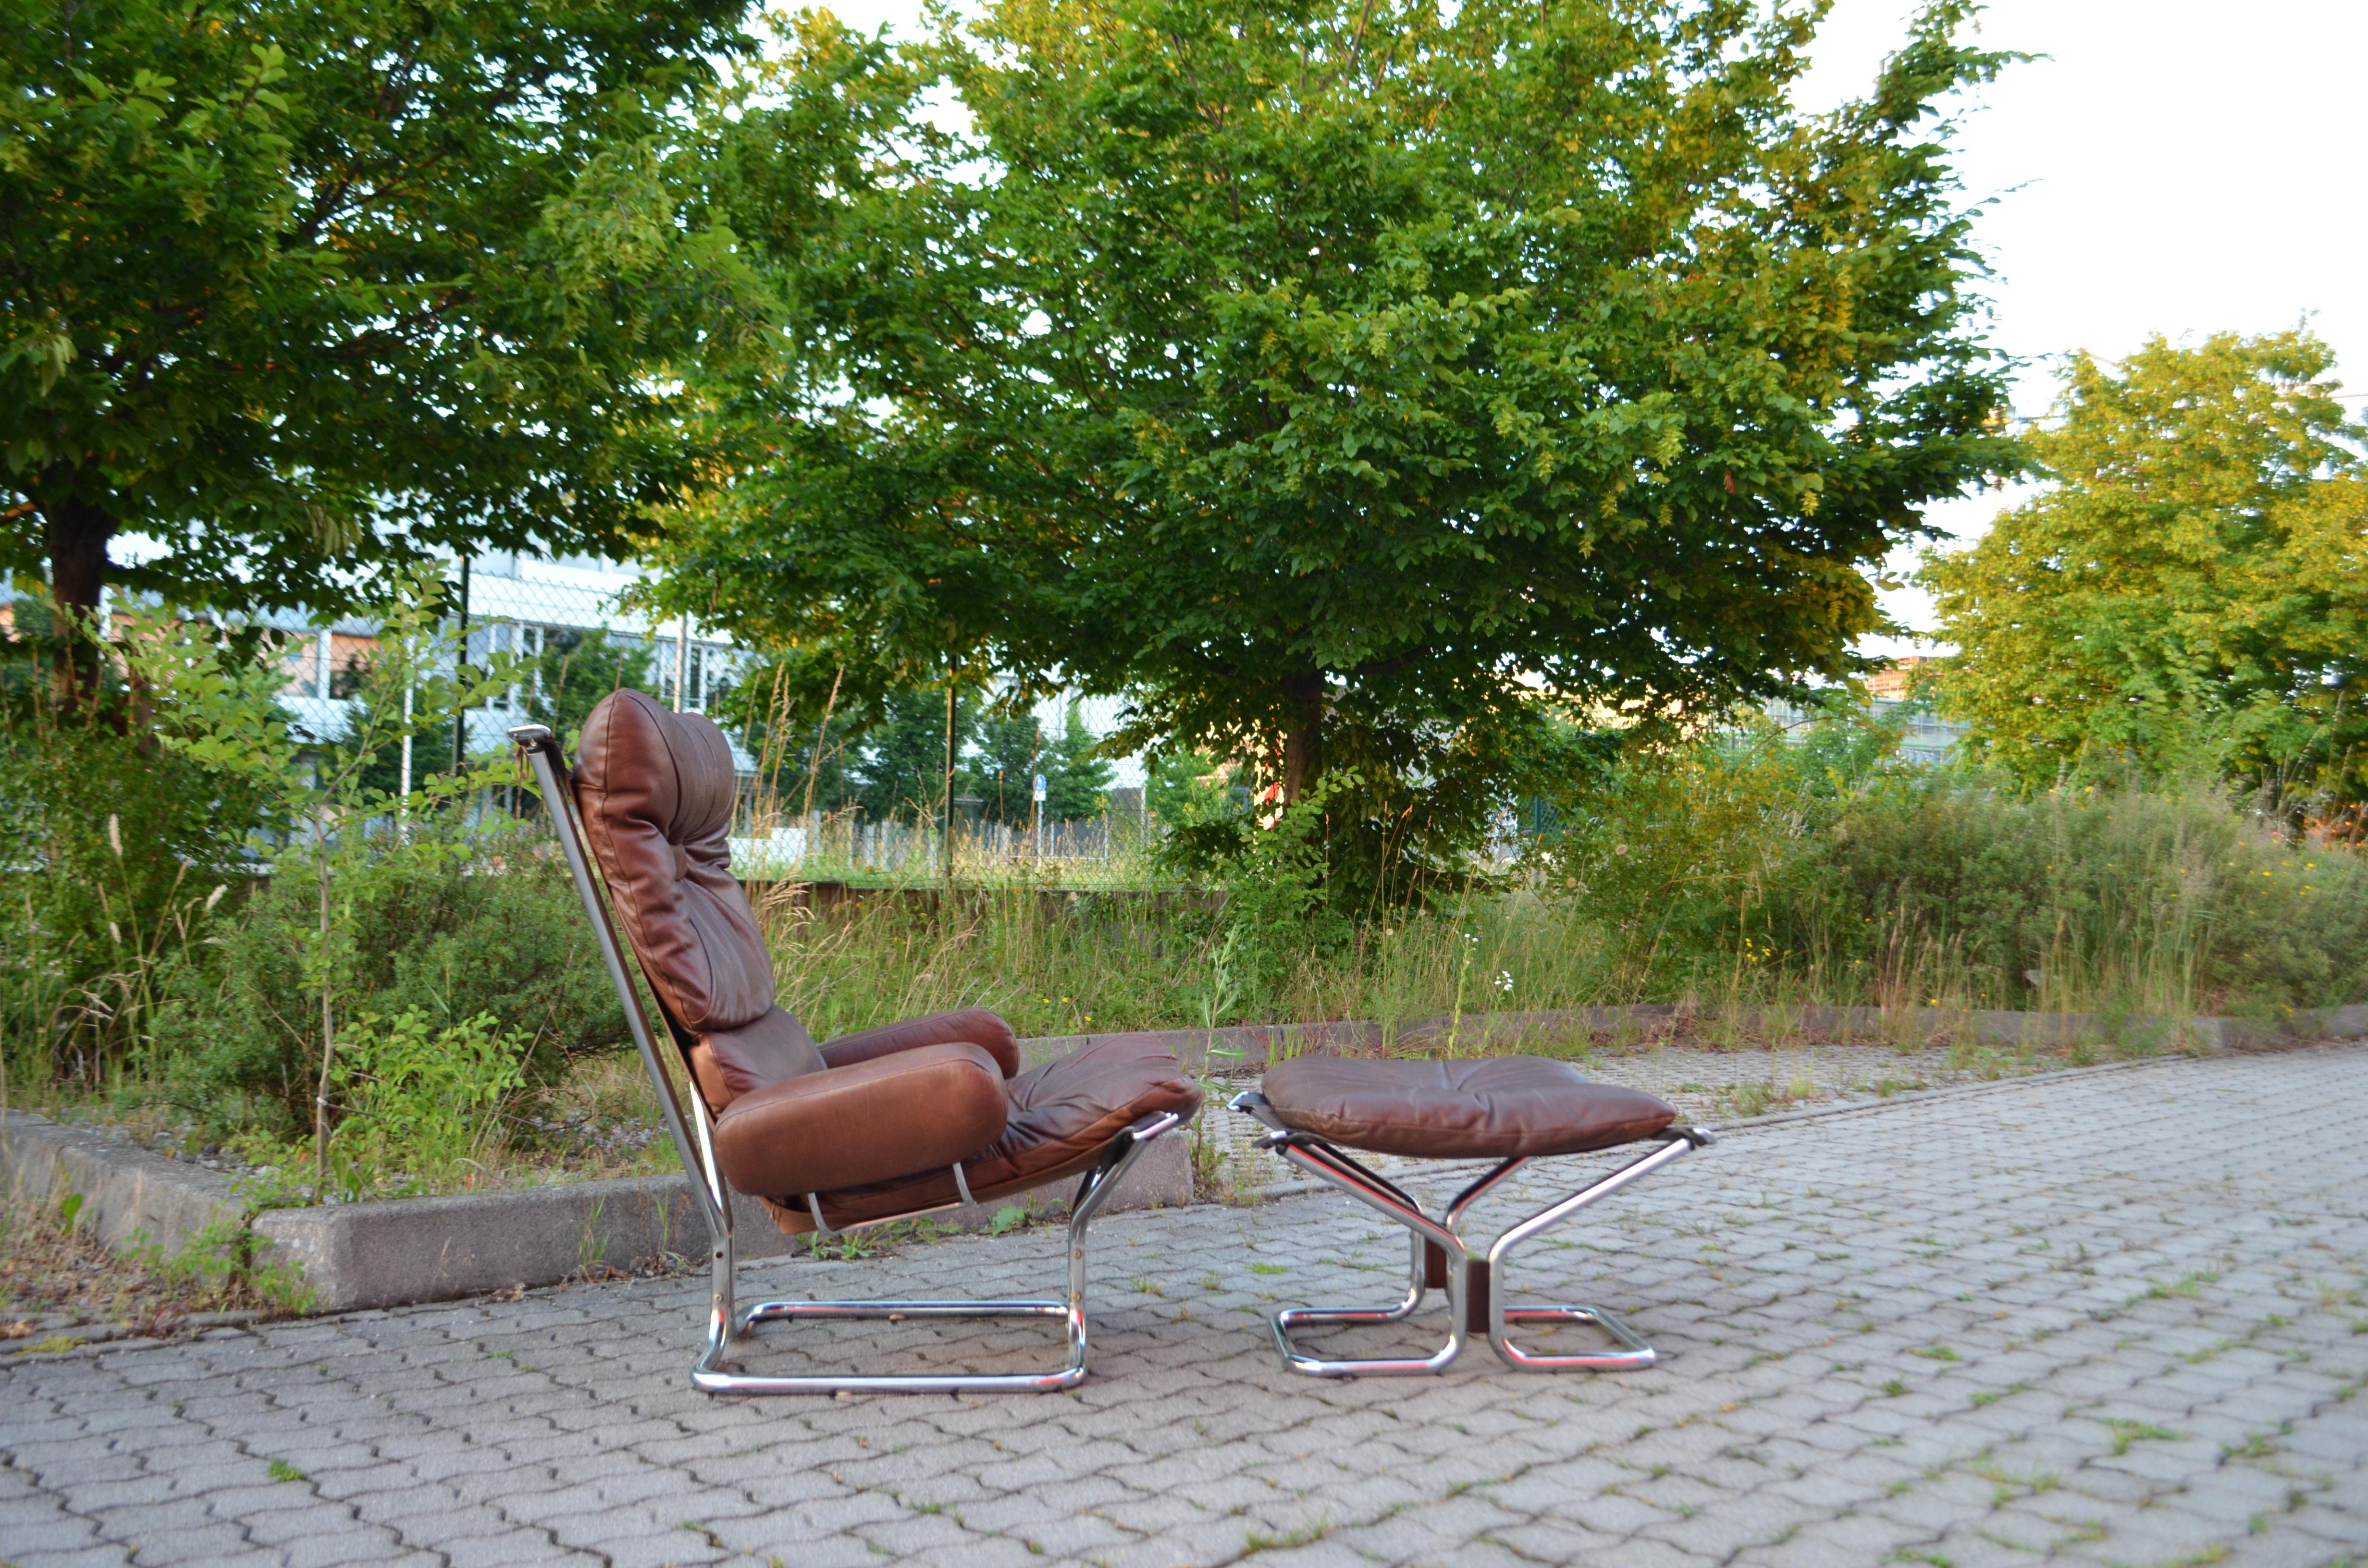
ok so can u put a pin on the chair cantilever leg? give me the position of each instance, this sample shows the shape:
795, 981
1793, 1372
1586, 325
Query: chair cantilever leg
1634, 1354
1323, 1160
1093, 1189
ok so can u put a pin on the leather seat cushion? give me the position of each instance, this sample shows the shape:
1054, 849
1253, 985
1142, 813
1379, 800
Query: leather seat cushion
1061, 1116
914, 1110
1492, 1109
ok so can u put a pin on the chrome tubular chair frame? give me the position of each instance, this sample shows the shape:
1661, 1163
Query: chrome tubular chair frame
1475, 1282
693, 1135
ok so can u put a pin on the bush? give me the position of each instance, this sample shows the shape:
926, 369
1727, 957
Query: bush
1823, 865
116, 844
418, 1101
458, 922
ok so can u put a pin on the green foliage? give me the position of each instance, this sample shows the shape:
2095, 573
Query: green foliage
902, 770
1003, 773
418, 1100
1338, 382
296, 289
1750, 863
129, 799
1186, 790
2190, 597
1280, 904
1077, 780
459, 920
573, 672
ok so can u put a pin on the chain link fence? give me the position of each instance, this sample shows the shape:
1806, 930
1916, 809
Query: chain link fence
563, 624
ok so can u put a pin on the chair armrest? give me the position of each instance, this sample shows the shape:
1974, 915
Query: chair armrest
975, 1025
893, 1115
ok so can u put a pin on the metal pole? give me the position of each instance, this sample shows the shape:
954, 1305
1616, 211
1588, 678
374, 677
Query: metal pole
460, 664
681, 661
949, 783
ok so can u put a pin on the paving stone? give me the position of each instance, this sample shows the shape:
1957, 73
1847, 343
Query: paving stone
2117, 1218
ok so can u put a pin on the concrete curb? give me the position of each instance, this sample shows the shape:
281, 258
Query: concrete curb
398, 1250
128, 1195
421, 1249
1242, 1047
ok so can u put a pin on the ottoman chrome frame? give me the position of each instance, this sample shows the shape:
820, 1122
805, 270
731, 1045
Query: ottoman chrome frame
694, 1141
1474, 1282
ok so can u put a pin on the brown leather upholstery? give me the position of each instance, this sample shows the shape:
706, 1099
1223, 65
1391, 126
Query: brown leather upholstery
975, 1025
874, 1118
731, 1062
655, 788
1062, 1116
1489, 1109
879, 1118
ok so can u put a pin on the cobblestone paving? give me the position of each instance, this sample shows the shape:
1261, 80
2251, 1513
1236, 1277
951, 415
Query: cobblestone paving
2104, 1317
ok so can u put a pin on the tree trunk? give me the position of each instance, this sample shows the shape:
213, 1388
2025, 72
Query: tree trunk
1303, 735
74, 532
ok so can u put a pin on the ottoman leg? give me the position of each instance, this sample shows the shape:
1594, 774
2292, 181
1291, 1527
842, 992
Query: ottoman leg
1321, 1160
1633, 1352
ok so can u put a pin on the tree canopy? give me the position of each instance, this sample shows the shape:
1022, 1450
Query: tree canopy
296, 287
2193, 590
1337, 381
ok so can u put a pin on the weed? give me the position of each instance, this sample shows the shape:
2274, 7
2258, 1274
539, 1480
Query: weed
2127, 1431
1305, 1535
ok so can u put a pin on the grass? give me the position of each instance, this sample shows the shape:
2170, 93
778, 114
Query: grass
2127, 1431
52, 1269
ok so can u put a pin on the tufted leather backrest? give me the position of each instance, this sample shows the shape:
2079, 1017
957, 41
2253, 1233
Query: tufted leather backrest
655, 790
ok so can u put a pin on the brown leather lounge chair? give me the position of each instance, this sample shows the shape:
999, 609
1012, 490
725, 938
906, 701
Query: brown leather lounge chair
1506, 1109
882, 1125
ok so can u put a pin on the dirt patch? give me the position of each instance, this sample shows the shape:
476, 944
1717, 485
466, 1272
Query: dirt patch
60, 1287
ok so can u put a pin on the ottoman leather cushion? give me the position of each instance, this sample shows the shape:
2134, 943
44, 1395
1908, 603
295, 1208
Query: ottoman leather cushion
1491, 1108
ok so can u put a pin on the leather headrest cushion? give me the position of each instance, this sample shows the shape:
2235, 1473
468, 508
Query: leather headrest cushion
655, 788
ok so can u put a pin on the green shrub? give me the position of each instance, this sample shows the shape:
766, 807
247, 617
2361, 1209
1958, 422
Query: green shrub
117, 843
460, 922
1822, 866
418, 1100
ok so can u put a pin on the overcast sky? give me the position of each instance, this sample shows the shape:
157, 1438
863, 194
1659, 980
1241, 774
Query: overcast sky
2175, 167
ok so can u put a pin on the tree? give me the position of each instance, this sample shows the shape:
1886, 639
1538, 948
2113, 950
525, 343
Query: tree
299, 291
2194, 587
1077, 780
1003, 774
903, 770
1341, 381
